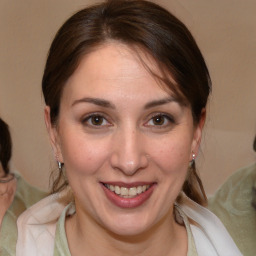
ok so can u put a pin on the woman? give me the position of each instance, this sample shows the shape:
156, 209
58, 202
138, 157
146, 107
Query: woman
235, 204
16, 195
125, 87
7, 180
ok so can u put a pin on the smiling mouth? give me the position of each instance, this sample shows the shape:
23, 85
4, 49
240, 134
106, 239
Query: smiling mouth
125, 192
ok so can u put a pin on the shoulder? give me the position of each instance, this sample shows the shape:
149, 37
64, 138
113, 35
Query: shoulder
209, 234
37, 225
26, 193
240, 183
25, 196
232, 203
234, 198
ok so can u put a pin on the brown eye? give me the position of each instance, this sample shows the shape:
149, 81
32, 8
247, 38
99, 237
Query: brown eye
97, 120
158, 120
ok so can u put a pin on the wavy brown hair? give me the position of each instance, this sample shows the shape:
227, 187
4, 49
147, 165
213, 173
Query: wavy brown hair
141, 25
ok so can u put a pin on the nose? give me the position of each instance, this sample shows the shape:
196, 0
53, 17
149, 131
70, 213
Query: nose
129, 152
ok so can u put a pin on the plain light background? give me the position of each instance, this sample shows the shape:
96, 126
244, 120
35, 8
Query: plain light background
225, 32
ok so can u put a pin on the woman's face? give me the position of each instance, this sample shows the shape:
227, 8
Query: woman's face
124, 141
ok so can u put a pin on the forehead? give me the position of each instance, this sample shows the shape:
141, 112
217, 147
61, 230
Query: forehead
115, 67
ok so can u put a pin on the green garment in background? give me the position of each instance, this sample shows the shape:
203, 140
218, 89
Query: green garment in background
25, 196
232, 203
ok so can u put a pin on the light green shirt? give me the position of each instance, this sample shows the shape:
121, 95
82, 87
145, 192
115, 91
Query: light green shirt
232, 203
61, 243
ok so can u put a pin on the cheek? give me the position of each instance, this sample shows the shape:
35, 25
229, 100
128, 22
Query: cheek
172, 155
82, 155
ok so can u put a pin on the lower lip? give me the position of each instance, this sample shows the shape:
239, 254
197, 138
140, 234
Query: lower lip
128, 202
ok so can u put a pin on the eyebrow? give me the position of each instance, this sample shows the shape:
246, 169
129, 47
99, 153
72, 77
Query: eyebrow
96, 101
107, 104
156, 103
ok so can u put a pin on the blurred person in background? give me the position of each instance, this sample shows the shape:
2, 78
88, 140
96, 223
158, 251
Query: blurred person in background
235, 204
16, 195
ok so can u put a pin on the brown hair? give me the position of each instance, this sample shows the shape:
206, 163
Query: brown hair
136, 23
5, 146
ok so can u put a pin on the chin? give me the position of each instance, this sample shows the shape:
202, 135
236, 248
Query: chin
127, 226
127, 232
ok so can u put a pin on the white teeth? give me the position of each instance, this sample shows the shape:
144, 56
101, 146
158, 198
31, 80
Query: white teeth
127, 192
139, 190
132, 192
117, 190
124, 191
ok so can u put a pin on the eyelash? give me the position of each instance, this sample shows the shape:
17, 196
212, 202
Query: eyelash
87, 120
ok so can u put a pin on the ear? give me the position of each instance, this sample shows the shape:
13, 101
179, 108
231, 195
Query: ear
53, 135
198, 133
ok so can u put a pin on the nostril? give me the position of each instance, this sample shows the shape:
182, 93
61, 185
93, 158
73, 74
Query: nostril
147, 156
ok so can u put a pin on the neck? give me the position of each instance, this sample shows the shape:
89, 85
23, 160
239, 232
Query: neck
165, 238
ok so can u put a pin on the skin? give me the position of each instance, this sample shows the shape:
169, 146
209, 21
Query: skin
141, 137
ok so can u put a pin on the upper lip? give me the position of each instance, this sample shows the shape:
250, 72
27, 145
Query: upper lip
128, 185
